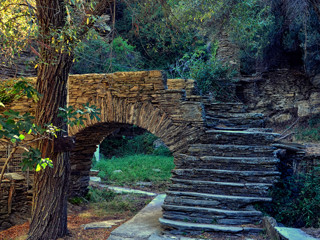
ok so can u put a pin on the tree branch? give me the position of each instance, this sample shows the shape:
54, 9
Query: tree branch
6, 163
99, 10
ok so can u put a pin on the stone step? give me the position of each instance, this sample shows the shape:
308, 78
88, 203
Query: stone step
238, 137
224, 107
230, 115
218, 175
210, 215
221, 188
235, 122
227, 163
213, 200
187, 227
227, 150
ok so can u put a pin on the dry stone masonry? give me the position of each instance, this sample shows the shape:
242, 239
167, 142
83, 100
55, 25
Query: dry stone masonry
281, 95
224, 159
15, 204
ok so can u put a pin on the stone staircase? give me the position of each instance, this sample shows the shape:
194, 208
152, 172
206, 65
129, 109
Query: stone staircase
217, 181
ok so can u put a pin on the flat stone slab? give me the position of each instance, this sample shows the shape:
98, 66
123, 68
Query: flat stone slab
293, 234
144, 224
14, 176
104, 224
128, 190
95, 179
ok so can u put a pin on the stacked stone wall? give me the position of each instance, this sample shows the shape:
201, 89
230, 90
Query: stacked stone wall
282, 95
14, 201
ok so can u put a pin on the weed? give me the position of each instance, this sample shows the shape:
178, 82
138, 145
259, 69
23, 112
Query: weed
76, 200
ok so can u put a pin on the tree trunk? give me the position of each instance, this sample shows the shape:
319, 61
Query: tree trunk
49, 206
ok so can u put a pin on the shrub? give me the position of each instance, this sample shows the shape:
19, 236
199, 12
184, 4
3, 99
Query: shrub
140, 144
211, 75
296, 200
99, 56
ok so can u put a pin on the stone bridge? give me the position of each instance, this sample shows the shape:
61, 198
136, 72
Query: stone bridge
223, 156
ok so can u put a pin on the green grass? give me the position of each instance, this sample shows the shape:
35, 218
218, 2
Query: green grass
310, 130
135, 168
107, 202
308, 134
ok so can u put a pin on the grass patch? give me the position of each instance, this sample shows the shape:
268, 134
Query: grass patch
106, 202
308, 134
136, 168
310, 131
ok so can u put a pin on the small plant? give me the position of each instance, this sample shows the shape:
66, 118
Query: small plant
296, 200
98, 195
76, 200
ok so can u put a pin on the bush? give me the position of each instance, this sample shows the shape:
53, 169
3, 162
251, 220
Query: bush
140, 144
296, 200
211, 75
99, 56
147, 26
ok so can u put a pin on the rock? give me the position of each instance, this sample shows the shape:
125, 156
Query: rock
117, 171
315, 80
104, 224
159, 143
144, 184
14, 176
293, 234
94, 173
304, 108
95, 179
269, 225
282, 118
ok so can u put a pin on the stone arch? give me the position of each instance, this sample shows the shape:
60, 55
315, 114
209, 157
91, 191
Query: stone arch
118, 112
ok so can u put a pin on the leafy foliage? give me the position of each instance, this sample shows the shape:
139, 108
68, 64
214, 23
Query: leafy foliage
140, 144
15, 89
19, 130
211, 75
99, 56
296, 200
147, 26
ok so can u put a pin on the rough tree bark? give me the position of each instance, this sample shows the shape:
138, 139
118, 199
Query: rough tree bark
49, 206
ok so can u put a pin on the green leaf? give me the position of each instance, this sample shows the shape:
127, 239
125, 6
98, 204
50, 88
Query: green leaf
38, 168
30, 131
13, 140
21, 137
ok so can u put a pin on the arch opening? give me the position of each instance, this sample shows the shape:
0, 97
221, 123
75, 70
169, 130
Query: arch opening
89, 138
